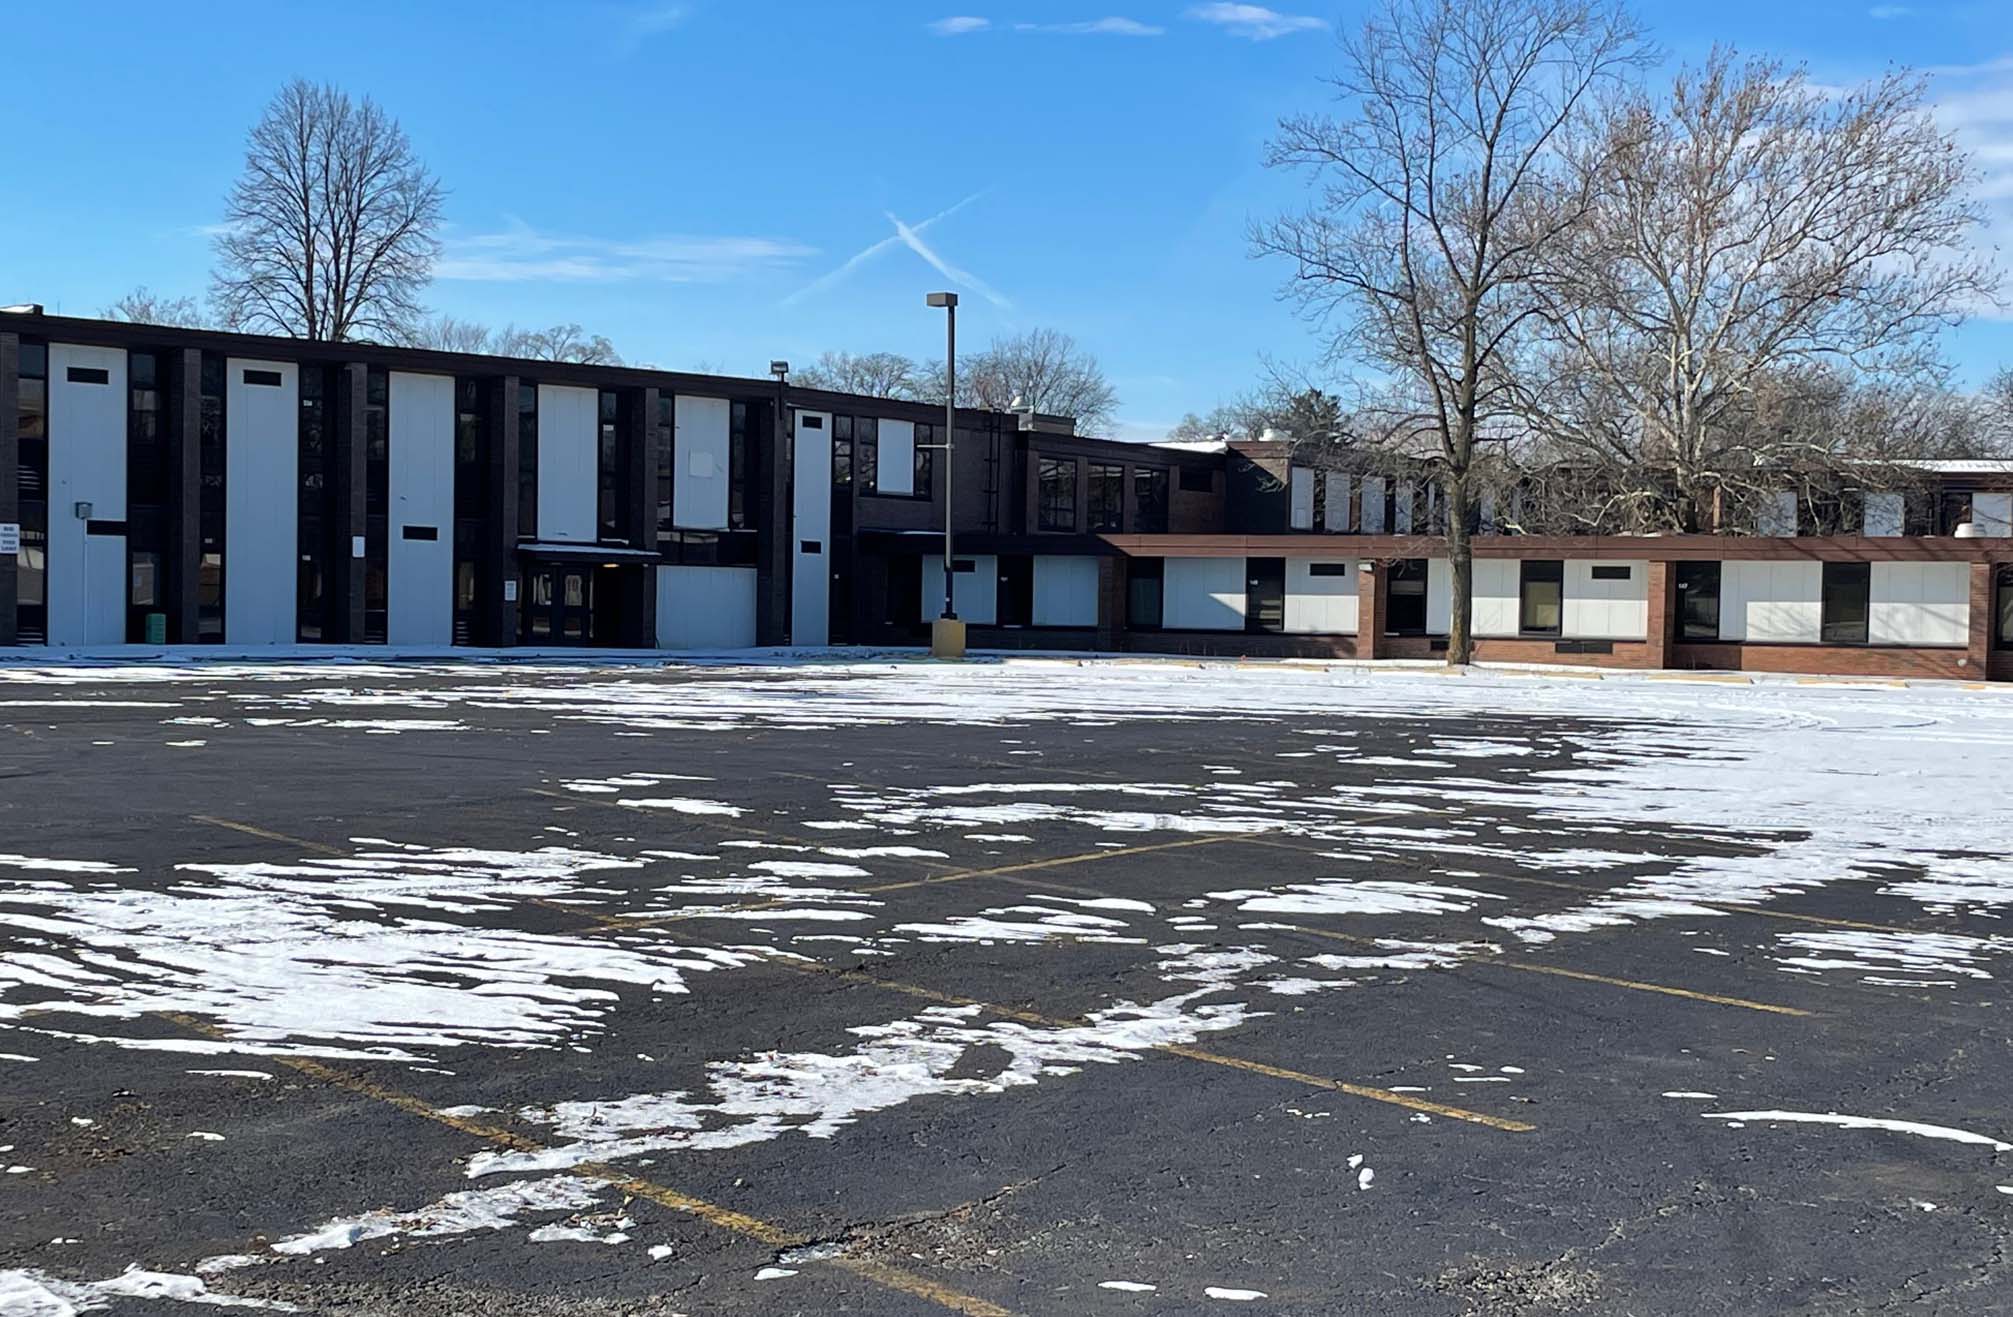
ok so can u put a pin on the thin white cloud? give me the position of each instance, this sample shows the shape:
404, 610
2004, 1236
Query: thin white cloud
1255, 22
964, 278
1881, 13
1974, 103
521, 254
871, 250
1096, 27
958, 25
645, 21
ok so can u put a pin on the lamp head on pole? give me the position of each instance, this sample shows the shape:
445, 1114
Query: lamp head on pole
779, 368
942, 300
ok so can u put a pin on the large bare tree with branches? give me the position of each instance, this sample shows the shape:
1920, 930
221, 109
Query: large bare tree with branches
1043, 369
1752, 302
329, 232
874, 374
1440, 198
144, 306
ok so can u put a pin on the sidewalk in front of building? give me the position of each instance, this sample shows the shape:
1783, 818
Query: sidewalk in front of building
784, 657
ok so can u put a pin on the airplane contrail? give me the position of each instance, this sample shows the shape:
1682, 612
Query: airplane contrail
867, 253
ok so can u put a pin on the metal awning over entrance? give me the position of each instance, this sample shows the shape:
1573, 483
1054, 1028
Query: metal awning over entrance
599, 555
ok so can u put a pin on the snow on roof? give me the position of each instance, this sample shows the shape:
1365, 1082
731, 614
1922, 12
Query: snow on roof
1957, 466
1193, 445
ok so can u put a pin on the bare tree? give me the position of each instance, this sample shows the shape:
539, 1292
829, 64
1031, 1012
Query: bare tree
566, 342
876, 374
143, 306
1440, 200
329, 232
559, 343
1753, 302
1043, 369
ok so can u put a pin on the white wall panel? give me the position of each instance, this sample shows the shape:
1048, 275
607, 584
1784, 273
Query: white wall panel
1335, 514
978, 590
1321, 605
1992, 514
261, 502
419, 594
1771, 601
1065, 586
1604, 609
1300, 498
699, 462
1439, 596
569, 424
1496, 600
87, 463
1203, 594
1885, 512
705, 607
1920, 603
811, 531
895, 465
1373, 505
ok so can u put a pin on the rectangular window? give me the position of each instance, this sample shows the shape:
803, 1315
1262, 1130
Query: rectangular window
146, 489
312, 577
88, 375
1149, 500
1057, 477
470, 505
32, 482
1265, 595
1327, 569
1612, 572
867, 451
1541, 597
2002, 630
419, 532
1405, 602
1014, 592
608, 468
1107, 497
1846, 610
377, 505
212, 455
739, 469
1698, 600
1197, 480
1145, 582
926, 468
527, 460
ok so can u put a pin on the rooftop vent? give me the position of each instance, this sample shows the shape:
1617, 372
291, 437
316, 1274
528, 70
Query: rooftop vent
22, 309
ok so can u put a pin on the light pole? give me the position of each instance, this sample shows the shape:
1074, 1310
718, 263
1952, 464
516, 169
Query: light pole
947, 634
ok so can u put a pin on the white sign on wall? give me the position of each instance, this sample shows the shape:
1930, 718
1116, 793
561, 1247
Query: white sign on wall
10, 537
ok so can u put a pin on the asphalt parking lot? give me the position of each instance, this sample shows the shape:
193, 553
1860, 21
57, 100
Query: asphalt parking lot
1027, 988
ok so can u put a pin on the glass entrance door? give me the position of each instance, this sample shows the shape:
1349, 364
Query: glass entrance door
559, 606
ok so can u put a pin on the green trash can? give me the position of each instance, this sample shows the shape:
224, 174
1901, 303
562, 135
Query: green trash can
157, 628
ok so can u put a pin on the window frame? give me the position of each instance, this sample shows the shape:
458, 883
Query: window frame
1845, 576
1137, 572
1541, 572
1104, 515
1687, 590
1410, 573
1048, 509
1144, 482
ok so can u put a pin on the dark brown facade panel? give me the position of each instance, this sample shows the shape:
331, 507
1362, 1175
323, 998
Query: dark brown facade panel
185, 480
10, 472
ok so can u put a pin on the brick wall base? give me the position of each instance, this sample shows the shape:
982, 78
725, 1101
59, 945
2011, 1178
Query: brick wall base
1831, 660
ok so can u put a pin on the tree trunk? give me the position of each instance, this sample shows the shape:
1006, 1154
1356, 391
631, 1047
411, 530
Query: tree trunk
1461, 549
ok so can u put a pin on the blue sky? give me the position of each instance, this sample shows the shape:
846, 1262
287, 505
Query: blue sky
692, 178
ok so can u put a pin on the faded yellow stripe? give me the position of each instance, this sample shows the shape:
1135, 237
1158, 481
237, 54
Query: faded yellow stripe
1716, 999
251, 830
723, 1218
1355, 1090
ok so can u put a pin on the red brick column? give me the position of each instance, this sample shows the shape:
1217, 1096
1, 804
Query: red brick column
1111, 588
1373, 593
1662, 615
1978, 655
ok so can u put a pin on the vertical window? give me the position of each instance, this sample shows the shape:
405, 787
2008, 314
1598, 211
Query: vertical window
1541, 597
527, 460
1698, 600
666, 427
1145, 592
1014, 590
311, 593
377, 504
212, 450
1197, 480
31, 566
1845, 605
470, 450
1405, 598
2002, 629
867, 451
1953, 509
926, 469
1057, 476
738, 466
1107, 497
1265, 595
1149, 500
608, 467
147, 486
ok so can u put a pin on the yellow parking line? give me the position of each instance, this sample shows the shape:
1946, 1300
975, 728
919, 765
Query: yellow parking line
723, 1218
1356, 1090
251, 831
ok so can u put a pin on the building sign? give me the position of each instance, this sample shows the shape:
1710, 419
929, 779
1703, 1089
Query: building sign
10, 537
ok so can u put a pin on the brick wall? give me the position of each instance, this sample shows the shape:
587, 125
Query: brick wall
1833, 660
